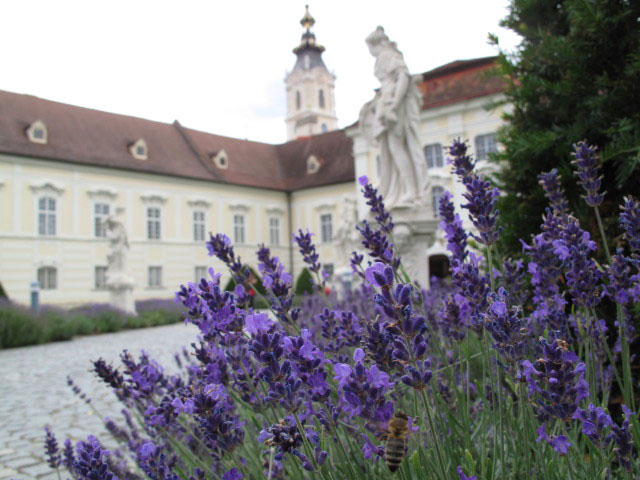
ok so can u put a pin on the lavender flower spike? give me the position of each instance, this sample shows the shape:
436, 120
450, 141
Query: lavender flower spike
588, 171
376, 204
550, 182
630, 222
462, 163
481, 202
51, 449
90, 465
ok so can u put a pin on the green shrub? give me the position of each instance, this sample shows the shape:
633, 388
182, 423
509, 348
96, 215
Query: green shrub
304, 283
20, 327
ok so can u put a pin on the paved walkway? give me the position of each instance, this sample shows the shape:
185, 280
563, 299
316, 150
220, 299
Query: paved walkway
34, 392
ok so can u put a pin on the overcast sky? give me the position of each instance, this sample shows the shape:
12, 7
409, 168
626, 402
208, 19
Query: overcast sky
219, 66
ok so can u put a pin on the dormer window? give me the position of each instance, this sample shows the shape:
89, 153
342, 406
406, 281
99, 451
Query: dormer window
313, 165
139, 149
220, 159
37, 132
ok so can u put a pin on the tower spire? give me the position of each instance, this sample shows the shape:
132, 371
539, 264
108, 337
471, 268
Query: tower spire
310, 87
308, 39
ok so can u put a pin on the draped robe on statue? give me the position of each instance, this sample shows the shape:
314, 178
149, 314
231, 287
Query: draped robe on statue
391, 121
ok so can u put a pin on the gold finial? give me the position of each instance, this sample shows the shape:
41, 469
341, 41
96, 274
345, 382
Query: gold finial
307, 21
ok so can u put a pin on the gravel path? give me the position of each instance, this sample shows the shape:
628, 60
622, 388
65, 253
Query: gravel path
34, 392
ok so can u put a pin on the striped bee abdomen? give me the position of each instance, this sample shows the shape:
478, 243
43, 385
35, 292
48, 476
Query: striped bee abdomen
394, 452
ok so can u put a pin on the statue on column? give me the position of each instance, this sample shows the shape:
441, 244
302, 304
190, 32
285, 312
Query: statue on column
119, 281
390, 120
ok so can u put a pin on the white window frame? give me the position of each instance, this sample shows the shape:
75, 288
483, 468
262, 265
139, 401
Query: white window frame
48, 215
483, 146
199, 272
199, 225
436, 194
154, 276
155, 232
47, 277
326, 227
239, 228
433, 155
139, 144
274, 231
31, 132
100, 277
100, 229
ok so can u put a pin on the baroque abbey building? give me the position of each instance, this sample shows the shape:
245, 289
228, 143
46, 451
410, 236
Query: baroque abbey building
65, 169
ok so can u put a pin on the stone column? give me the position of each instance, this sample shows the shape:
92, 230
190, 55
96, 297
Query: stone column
414, 234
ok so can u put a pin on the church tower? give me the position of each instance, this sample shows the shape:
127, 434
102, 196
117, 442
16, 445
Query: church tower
310, 86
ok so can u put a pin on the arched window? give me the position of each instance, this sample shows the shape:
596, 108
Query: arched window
436, 194
321, 98
323, 128
48, 278
298, 100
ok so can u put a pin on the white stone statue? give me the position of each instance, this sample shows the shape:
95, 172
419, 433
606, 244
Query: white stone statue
391, 121
119, 281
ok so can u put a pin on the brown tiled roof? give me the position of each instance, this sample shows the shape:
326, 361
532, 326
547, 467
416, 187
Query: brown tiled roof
91, 137
334, 152
458, 81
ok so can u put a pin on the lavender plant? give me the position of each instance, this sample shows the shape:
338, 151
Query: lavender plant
505, 370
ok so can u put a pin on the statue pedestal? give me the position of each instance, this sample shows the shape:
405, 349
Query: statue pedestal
413, 233
121, 293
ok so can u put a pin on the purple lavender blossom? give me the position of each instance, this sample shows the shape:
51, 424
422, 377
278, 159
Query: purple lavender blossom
90, 463
550, 182
481, 202
594, 422
363, 390
378, 245
630, 223
454, 232
462, 163
556, 381
559, 442
513, 279
464, 477
69, 457
369, 449
153, 462
308, 250
583, 276
379, 275
233, 474
220, 247
279, 283
621, 436
473, 286
376, 204
588, 171
452, 317
286, 437
506, 327
51, 449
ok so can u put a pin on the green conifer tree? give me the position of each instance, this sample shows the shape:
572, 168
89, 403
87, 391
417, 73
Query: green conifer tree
575, 76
